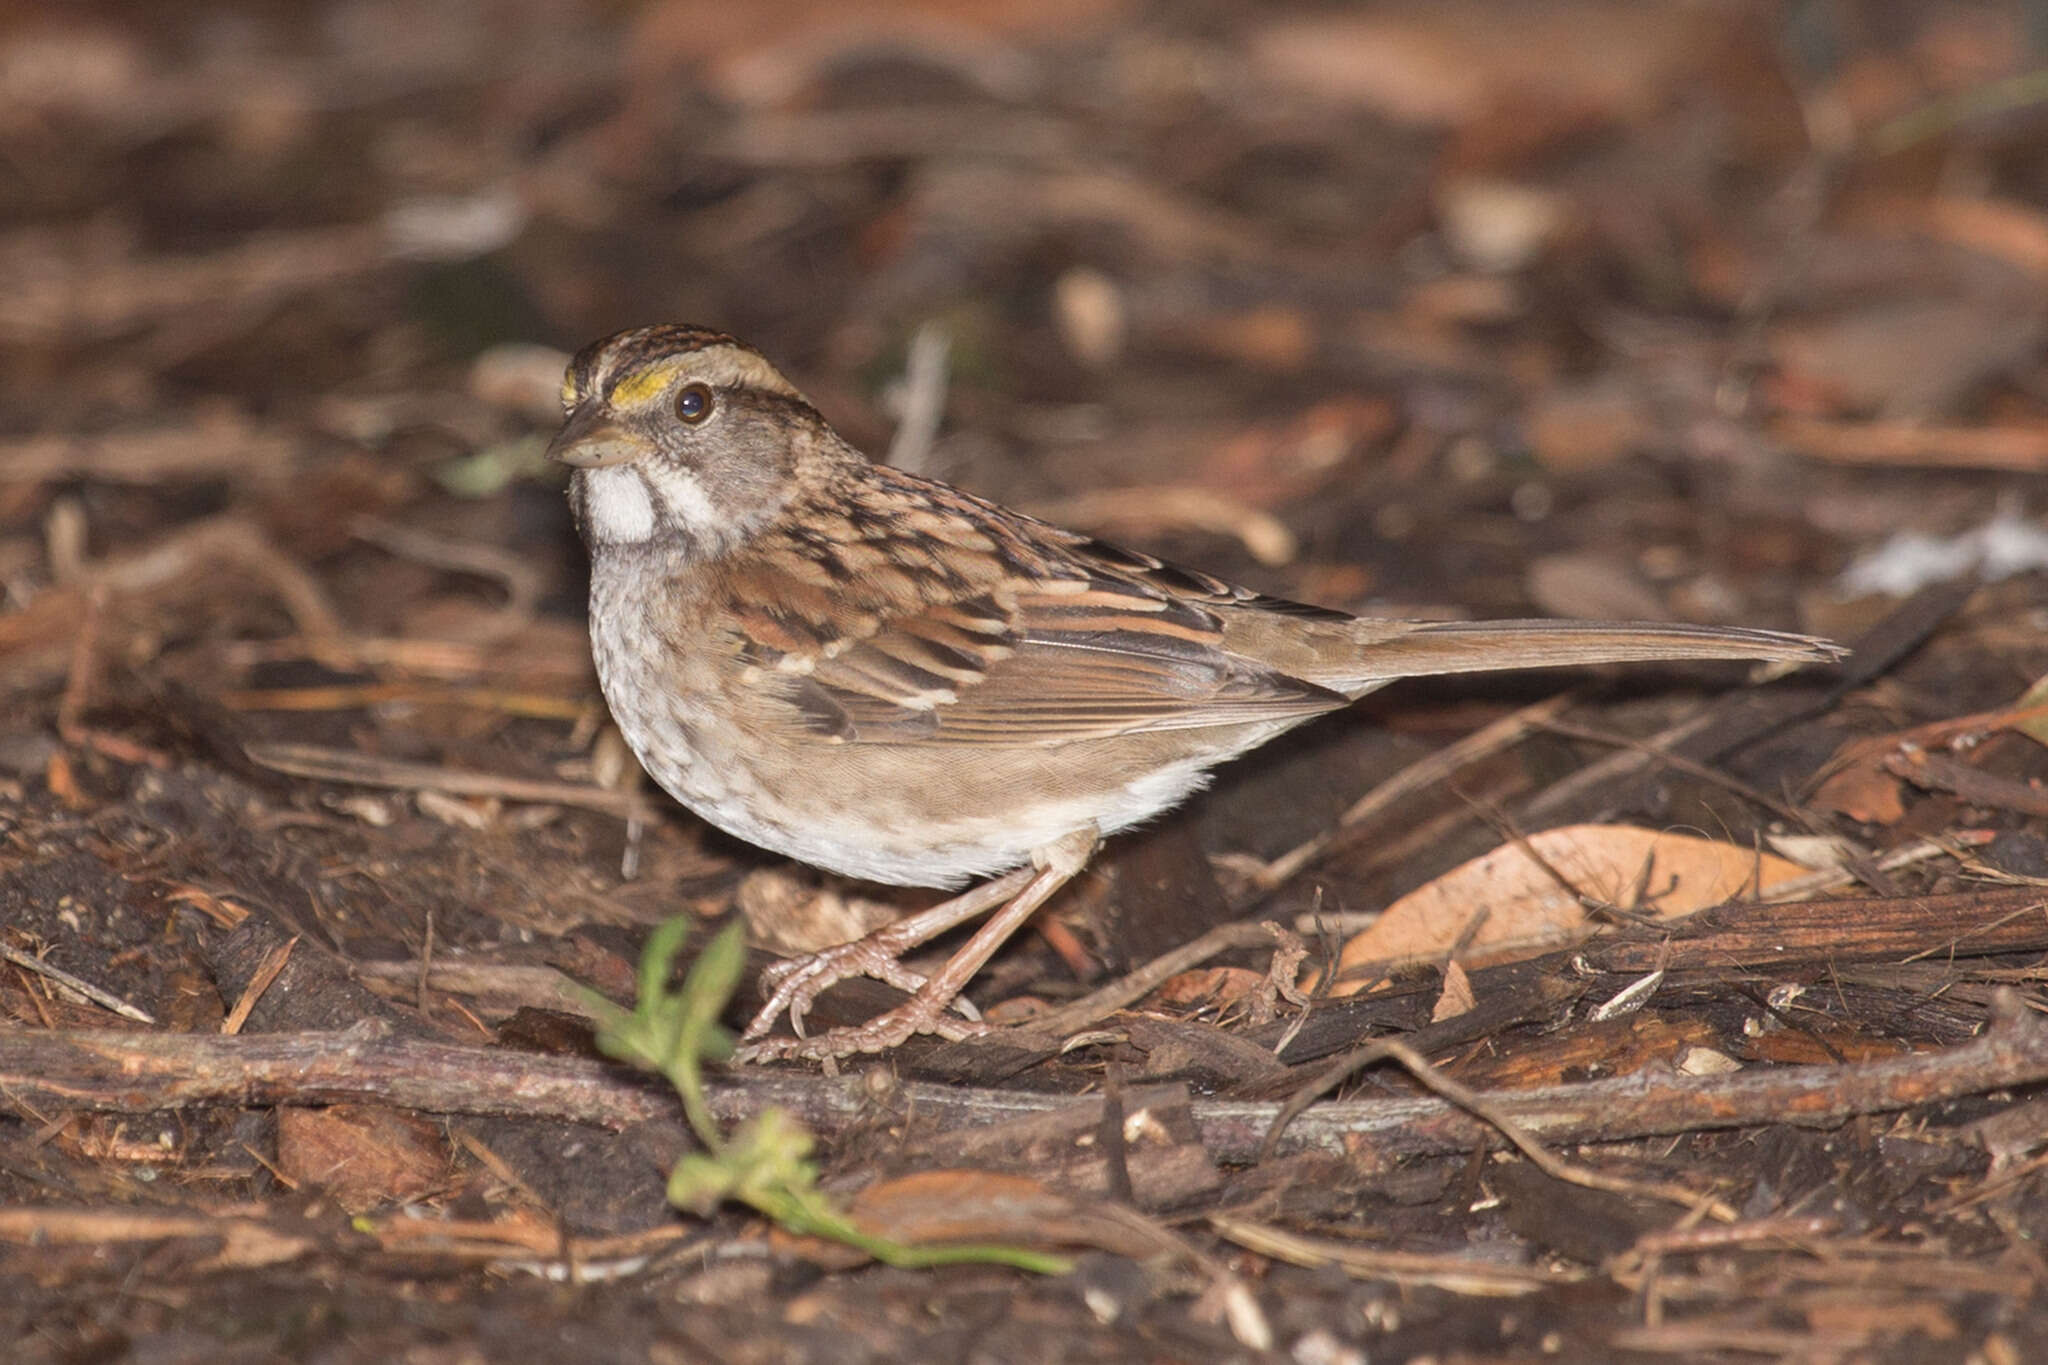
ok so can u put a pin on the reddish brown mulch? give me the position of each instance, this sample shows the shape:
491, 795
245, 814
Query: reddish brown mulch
1588, 309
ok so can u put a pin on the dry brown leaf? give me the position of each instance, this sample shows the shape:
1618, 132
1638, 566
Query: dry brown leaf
1092, 315
2022, 447
361, 1154
1904, 357
1856, 1317
2001, 228
245, 1243
1274, 338
1861, 789
976, 1206
1514, 908
1859, 783
1208, 986
763, 51
958, 1206
789, 913
1269, 465
1499, 226
2033, 726
1447, 65
1592, 586
1456, 998
1588, 426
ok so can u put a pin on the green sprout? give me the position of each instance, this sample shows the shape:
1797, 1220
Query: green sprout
766, 1163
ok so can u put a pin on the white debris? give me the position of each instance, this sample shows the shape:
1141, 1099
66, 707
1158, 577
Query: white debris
2006, 545
455, 228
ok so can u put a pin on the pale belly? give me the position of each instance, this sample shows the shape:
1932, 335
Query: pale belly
857, 812
910, 815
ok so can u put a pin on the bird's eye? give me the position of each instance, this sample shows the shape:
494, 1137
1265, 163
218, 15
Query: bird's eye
693, 403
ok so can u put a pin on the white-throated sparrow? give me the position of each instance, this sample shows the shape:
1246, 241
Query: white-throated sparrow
889, 678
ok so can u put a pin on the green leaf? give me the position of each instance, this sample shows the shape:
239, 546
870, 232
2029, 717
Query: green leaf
2036, 727
767, 1163
699, 1184
491, 470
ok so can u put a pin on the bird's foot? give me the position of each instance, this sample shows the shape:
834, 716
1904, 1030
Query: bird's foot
925, 1012
794, 984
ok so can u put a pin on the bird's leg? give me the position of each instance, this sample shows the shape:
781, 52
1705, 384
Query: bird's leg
794, 983
925, 1012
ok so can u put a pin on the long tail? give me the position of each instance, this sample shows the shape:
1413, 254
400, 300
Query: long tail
1402, 649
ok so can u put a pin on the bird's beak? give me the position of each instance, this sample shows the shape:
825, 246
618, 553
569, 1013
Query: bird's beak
589, 441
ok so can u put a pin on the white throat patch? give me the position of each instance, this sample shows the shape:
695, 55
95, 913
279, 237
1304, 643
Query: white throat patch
616, 505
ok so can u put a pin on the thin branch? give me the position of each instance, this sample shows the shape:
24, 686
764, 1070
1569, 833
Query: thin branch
147, 1073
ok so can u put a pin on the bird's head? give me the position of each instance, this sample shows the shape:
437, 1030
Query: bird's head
679, 435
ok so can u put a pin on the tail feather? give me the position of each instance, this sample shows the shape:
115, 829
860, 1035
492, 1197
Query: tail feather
1403, 649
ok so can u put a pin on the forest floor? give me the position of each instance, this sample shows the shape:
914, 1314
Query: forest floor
1715, 998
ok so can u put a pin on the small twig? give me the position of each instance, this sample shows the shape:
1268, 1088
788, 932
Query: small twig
350, 696
1659, 753
1420, 776
147, 1072
1318, 1085
1173, 507
1109, 1134
242, 1241
522, 579
1556, 1167
78, 681
49, 307
450, 660
347, 765
1457, 1274
1936, 772
260, 981
841, 137
1676, 1241
1938, 116
220, 444
104, 999
500, 985
1135, 985
426, 963
1914, 445
924, 398
1956, 944
1859, 929
37, 640
1596, 907
1948, 846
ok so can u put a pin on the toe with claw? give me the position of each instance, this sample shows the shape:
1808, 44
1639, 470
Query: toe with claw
795, 984
924, 1012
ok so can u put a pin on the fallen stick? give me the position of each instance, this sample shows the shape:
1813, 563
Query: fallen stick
150, 1072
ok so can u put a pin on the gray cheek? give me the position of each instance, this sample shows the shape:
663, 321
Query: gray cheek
745, 480
764, 458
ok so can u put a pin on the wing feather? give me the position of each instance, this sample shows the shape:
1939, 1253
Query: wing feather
1019, 634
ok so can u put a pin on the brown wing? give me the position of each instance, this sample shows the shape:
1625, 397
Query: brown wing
1019, 633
